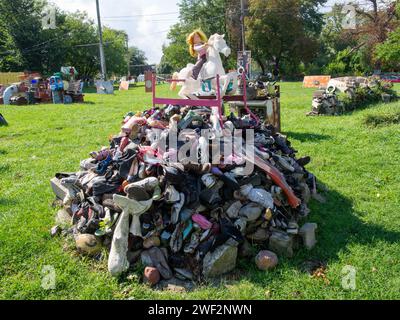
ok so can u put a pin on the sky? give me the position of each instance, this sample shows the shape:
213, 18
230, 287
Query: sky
146, 21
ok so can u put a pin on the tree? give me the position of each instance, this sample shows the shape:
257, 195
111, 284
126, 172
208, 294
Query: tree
377, 19
208, 15
276, 31
137, 61
388, 52
24, 45
22, 29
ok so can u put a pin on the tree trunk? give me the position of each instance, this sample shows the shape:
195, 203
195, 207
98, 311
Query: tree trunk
261, 64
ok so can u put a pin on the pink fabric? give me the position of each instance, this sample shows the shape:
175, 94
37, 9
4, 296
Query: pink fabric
201, 221
200, 49
127, 127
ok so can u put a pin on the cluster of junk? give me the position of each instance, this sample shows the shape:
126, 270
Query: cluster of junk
183, 211
62, 87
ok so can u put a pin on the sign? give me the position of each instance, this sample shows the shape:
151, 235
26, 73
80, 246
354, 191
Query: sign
148, 76
316, 81
124, 85
244, 62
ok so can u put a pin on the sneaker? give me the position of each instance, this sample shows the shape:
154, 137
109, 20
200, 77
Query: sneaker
176, 209
209, 180
171, 195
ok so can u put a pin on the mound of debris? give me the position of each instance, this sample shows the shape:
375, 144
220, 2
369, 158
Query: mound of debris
181, 208
349, 93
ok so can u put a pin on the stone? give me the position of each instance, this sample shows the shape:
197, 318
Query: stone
151, 275
63, 218
233, 210
220, 261
259, 236
245, 249
55, 231
175, 285
266, 260
133, 256
87, 244
281, 243
307, 233
59, 190
151, 242
251, 211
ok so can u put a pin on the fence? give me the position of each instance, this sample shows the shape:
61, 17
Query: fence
9, 77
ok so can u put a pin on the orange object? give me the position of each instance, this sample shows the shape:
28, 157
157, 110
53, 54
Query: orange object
316, 81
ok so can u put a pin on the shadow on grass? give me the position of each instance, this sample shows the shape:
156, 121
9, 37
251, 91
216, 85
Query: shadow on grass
338, 226
304, 136
3, 152
7, 202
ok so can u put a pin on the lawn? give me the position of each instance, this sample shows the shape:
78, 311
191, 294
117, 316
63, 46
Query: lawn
356, 158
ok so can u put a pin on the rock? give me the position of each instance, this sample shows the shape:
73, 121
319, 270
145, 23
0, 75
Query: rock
133, 256
63, 218
307, 233
151, 275
151, 242
175, 285
266, 260
259, 236
59, 190
245, 250
233, 210
241, 224
281, 243
251, 211
183, 274
87, 244
220, 261
55, 231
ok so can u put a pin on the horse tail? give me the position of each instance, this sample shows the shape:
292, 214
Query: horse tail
175, 76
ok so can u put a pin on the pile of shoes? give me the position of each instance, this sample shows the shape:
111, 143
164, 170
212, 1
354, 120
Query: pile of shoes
326, 102
349, 93
189, 219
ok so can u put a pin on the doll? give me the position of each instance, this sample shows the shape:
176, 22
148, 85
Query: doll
197, 42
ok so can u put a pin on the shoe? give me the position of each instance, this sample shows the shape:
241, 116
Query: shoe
140, 190
193, 244
303, 161
176, 209
209, 180
198, 168
201, 221
210, 198
171, 195
176, 240
173, 175
157, 193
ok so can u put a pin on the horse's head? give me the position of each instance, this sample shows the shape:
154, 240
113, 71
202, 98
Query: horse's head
217, 41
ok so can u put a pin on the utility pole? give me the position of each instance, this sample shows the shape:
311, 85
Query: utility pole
102, 58
127, 53
242, 24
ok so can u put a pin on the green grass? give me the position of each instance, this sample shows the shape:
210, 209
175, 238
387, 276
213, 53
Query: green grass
358, 225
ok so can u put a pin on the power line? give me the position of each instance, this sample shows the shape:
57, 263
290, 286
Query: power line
143, 15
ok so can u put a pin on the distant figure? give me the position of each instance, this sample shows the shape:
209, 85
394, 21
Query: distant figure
275, 73
9, 92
